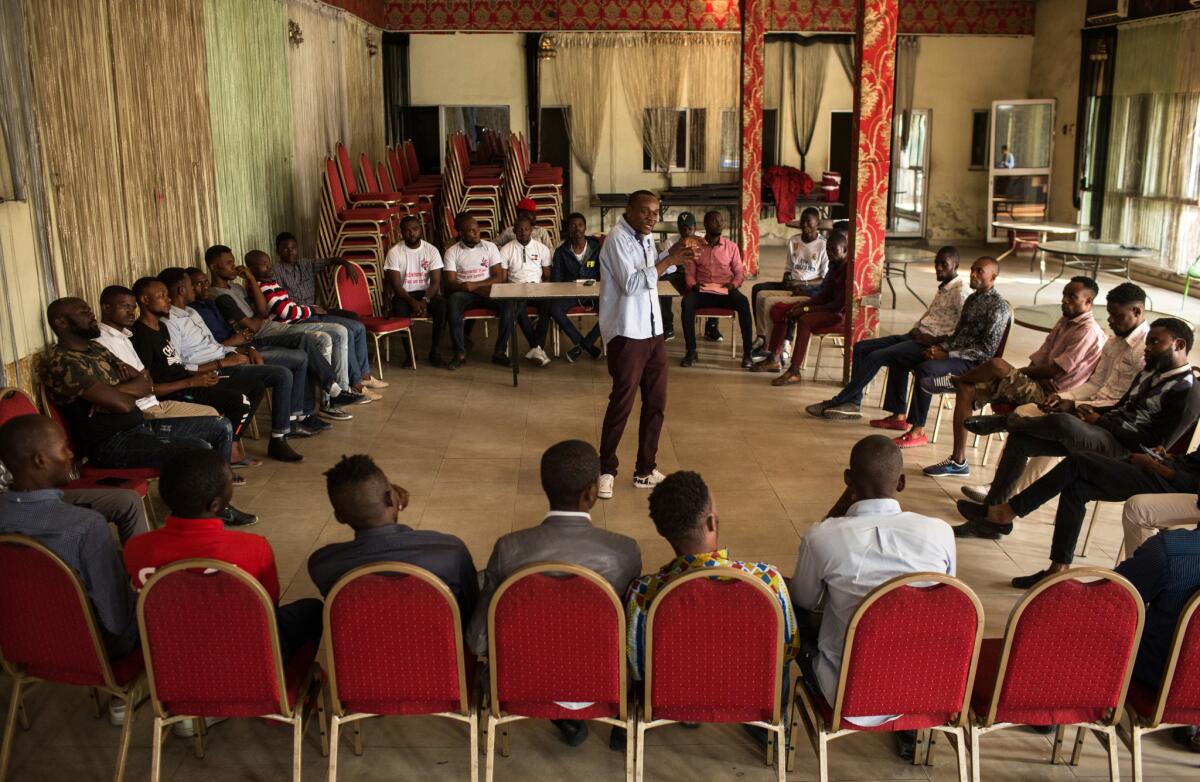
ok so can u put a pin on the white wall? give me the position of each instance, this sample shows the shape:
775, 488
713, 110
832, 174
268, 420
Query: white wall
1054, 73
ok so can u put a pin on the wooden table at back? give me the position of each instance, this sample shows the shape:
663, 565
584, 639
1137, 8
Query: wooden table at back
517, 293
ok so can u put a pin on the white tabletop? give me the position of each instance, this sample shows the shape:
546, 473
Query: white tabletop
559, 290
1097, 250
1041, 226
904, 254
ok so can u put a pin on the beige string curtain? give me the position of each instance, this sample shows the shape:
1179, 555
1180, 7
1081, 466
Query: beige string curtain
1153, 182
907, 49
713, 70
336, 95
582, 76
807, 62
251, 119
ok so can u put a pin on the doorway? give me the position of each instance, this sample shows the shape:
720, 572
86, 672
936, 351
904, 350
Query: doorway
908, 184
555, 147
841, 153
1021, 147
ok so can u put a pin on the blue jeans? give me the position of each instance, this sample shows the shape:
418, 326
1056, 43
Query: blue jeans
295, 361
314, 345
279, 380
339, 346
152, 442
558, 311
357, 357
872, 355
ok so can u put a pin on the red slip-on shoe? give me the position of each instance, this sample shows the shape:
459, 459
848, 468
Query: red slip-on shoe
890, 423
909, 440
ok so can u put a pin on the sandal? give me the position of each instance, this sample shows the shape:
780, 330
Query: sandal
245, 461
787, 378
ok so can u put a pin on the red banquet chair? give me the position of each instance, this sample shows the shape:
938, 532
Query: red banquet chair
734, 675
48, 632
395, 648
1177, 702
356, 298
212, 650
722, 312
556, 633
1065, 659
928, 625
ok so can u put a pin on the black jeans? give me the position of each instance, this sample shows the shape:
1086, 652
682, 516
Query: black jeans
679, 282
235, 397
1078, 480
299, 623
1057, 434
733, 300
154, 441
458, 303
535, 335
436, 305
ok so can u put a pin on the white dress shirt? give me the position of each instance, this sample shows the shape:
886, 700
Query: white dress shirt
1120, 361
942, 316
120, 345
843, 559
628, 286
524, 262
193, 339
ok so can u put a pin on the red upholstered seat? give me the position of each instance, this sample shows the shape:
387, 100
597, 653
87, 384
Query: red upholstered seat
479, 312
1182, 705
582, 309
715, 312
91, 477
356, 297
384, 325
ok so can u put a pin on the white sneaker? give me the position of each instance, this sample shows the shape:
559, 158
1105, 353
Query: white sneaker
187, 729
606, 486
116, 712
648, 481
977, 493
538, 356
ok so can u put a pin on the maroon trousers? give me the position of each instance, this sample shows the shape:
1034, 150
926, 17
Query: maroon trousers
635, 364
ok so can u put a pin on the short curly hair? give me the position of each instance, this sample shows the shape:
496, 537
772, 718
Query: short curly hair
678, 505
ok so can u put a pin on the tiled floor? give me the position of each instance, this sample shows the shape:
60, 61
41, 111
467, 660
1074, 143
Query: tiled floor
467, 445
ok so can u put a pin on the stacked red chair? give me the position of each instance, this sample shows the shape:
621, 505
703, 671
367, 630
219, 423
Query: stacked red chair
410, 202
353, 231
539, 182
472, 189
406, 176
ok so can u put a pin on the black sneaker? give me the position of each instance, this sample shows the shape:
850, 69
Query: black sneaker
760, 356
336, 413
435, 359
574, 354
906, 744
300, 431
689, 359
1030, 581
456, 362
618, 739
315, 423
280, 450
501, 359
573, 732
985, 424
347, 398
747, 363
760, 342
593, 351
712, 332
669, 335
937, 385
236, 518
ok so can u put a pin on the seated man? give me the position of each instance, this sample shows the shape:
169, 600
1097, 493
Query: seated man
527, 208
195, 485
1066, 358
1161, 404
1121, 359
865, 541
235, 398
976, 338
412, 272
281, 308
686, 224
577, 258
1145, 515
197, 346
825, 310
872, 355
472, 266
1083, 477
35, 451
366, 501
713, 279
570, 473
685, 513
239, 305
298, 276
806, 267
526, 260
291, 352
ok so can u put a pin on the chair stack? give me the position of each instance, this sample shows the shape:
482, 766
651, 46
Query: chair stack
361, 231
539, 182
472, 189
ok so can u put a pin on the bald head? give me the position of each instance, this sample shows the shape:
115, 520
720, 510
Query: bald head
984, 272
876, 468
34, 449
72, 317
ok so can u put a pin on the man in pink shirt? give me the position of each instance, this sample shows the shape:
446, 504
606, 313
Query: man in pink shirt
1065, 360
712, 280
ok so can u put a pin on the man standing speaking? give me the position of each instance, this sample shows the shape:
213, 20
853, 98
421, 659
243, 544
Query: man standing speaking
631, 325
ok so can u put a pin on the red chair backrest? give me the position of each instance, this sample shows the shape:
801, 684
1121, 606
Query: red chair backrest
46, 625
395, 163
1182, 674
556, 638
334, 182
13, 403
368, 174
355, 297
932, 633
1070, 647
395, 643
210, 641
731, 674
1004, 339
384, 178
346, 169
410, 159
56, 415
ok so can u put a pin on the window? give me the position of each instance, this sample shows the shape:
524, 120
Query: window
731, 141
689, 137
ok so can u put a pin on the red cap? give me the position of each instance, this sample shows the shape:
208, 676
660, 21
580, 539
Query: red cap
526, 205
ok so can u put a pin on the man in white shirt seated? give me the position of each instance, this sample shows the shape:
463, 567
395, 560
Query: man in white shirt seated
872, 355
472, 267
526, 207
807, 263
526, 260
412, 272
865, 541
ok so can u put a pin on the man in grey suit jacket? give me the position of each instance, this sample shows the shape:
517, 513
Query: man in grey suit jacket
570, 478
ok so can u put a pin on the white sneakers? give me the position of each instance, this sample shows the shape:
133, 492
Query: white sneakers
648, 481
538, 356
606, 486
187, 728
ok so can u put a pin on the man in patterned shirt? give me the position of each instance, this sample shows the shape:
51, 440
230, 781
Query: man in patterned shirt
872, 355
684, 512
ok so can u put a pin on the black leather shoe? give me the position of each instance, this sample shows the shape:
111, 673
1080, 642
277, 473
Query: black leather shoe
435, 360
618, 739
456, 362
689, 359
574, 732
236, 518
985, 424
501, 359
747, 363
1027, 582
906, 744
280, 450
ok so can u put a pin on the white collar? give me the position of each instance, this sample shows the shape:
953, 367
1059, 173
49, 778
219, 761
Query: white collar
576, 513
1138, 335
882, 506
112, 332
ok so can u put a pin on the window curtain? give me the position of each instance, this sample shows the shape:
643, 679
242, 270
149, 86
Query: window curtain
806, 61
1152, 195
582, 78
251, 115
714, 84
907, 49
649, 65
845, 54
